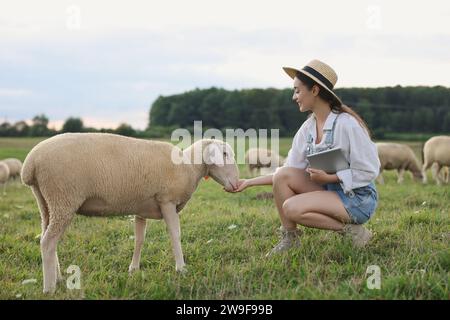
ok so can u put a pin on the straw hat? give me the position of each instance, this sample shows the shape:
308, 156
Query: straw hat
320, 72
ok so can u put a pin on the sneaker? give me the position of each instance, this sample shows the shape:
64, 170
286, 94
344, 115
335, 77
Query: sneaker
359, 234
289, 239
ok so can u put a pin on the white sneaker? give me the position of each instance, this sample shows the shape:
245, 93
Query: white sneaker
359, 234
289, 239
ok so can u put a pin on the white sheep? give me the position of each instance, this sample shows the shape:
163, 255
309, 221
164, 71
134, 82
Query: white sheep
263, 160
15, 166
400, 157
97, 174
436, 151
4, 175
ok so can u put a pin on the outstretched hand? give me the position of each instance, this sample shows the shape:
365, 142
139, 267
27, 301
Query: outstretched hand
241, 185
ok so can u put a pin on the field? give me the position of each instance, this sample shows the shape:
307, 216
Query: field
224, 238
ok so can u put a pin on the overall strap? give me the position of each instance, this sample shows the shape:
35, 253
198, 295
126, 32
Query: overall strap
329, 138
309, 144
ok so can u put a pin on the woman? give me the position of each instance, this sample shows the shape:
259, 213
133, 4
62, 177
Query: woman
343, 201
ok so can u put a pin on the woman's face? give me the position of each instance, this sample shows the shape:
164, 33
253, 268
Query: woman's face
304, 97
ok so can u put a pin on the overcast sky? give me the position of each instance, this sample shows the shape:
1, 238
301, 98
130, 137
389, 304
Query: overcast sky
107, 61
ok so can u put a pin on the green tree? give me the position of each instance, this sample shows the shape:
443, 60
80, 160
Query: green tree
73, 125
125, 129
39, 128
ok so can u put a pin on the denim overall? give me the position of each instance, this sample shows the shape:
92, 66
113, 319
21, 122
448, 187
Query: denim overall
361, 202
329, 139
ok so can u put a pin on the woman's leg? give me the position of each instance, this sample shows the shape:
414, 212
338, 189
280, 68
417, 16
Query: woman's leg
288, 182
317, 209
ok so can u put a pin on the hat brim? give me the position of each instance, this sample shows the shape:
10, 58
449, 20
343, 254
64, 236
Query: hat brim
292, 72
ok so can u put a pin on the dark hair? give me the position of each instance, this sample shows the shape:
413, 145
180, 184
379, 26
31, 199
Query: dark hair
336, 105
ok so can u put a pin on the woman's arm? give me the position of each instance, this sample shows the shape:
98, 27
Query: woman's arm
258, 181
261, 180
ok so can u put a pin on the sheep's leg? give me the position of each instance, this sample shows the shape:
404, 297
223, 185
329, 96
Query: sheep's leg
435, 171
446, 174
48, 250
425, 166
172, 220
139, 236
400, 173
380, 178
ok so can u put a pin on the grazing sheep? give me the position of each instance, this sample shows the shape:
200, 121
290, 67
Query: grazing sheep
400, 157
263, 159
4, 175
95, 174
15, 166
436, 151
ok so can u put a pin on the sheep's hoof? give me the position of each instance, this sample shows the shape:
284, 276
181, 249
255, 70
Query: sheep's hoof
49, 291
182, 270
133, 269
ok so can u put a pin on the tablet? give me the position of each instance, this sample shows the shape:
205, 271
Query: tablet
330, 161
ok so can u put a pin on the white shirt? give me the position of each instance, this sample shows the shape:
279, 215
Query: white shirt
359, 150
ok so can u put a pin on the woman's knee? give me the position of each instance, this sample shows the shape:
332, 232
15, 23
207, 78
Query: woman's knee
286, 174
291, 209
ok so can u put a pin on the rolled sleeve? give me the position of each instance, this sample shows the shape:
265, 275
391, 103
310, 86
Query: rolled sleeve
296, 156
363, 159
345, 176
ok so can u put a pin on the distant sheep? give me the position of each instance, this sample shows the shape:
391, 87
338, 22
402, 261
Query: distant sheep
436, 151
263, 160
400, 157
97, 174
15, 166
4, 175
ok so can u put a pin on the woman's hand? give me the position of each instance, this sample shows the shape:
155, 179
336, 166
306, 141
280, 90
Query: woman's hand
321, 177
242, 184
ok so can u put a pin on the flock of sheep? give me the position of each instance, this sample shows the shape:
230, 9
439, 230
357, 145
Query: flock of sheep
99, 174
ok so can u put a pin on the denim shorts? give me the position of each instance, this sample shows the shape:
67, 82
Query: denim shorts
361, 204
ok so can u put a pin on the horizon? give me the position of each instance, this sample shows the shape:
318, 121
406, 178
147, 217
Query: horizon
89, 123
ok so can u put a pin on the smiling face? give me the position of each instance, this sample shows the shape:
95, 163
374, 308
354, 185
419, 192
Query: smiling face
303, 96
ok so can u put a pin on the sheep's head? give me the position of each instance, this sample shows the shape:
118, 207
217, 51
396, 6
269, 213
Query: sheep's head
219, 158
418, 176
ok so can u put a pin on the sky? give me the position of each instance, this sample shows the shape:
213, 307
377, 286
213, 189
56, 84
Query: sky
107, 61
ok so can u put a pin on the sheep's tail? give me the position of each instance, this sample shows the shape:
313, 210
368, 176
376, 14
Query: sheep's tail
27, 173
43, 208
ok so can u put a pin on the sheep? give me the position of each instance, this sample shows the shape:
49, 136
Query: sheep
100, 174
436, 151
4, 175
400, 157
263, 159
15, 166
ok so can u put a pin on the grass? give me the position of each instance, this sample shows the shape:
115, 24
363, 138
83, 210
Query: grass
411, 247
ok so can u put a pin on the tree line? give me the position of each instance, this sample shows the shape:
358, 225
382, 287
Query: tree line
387, 109
39, 128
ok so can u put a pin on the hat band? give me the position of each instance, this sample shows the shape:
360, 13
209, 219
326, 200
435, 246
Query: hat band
319, 76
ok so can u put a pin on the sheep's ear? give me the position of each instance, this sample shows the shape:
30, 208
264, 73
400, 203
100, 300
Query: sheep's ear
213, 155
